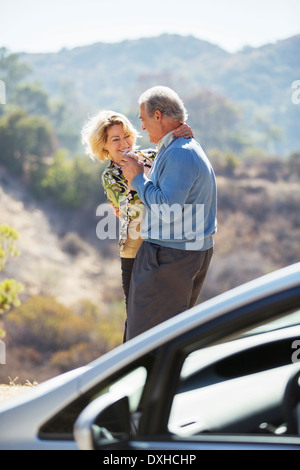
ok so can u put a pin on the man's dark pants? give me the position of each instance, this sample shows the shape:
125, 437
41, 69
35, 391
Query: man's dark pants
165, 281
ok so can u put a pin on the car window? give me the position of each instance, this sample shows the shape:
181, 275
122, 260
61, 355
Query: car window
131, 382
285, 321
131, 385
238, 386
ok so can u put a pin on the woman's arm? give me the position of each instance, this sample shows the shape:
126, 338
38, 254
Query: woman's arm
115, 186
183, 131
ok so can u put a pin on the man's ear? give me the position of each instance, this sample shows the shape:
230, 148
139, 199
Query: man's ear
157, 115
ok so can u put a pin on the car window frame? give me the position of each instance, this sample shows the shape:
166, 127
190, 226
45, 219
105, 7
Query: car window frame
160, 393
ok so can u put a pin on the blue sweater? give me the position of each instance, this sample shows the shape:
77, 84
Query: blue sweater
180, 196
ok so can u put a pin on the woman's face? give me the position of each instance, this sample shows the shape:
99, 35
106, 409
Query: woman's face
117, 142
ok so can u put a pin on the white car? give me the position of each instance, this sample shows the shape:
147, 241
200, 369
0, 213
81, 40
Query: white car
223, 375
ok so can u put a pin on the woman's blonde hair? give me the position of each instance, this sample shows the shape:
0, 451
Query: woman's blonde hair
94, 132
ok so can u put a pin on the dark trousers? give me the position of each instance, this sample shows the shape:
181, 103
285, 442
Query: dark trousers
164, 282
126, 270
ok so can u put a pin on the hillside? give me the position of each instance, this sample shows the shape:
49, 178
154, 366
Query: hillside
72, 306
54, 260
109, 74
259, 80
258, 232
258, 223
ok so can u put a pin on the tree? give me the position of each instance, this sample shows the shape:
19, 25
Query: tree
72, 182
12, 71
23, 136
32, 98
9, 288
216, 121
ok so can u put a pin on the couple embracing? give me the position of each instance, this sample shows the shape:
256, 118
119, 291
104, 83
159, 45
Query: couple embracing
163, 269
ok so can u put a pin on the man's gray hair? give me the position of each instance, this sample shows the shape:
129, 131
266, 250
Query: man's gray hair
166, 101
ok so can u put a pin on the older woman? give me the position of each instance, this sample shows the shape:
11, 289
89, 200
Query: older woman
108, 135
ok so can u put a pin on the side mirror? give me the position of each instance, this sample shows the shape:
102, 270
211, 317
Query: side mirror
105, 421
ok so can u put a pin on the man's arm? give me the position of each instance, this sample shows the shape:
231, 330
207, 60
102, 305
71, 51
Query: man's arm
174, 183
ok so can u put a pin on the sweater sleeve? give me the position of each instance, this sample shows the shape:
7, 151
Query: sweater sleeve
174, 183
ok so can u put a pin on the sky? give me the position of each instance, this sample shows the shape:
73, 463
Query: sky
50, 25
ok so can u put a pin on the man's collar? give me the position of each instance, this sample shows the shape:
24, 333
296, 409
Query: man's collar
166, 140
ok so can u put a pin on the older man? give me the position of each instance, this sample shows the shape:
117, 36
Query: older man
180, 197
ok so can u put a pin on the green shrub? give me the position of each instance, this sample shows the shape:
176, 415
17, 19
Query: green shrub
9, 288
65, 337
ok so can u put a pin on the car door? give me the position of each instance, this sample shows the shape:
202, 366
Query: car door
166, 384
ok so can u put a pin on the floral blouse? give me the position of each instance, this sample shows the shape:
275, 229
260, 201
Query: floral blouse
124, 199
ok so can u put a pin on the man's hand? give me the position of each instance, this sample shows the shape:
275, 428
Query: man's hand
131, 168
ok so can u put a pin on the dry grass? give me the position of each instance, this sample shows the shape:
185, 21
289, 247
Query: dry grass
13, 388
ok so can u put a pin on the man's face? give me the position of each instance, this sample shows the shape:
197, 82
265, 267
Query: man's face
151, 124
